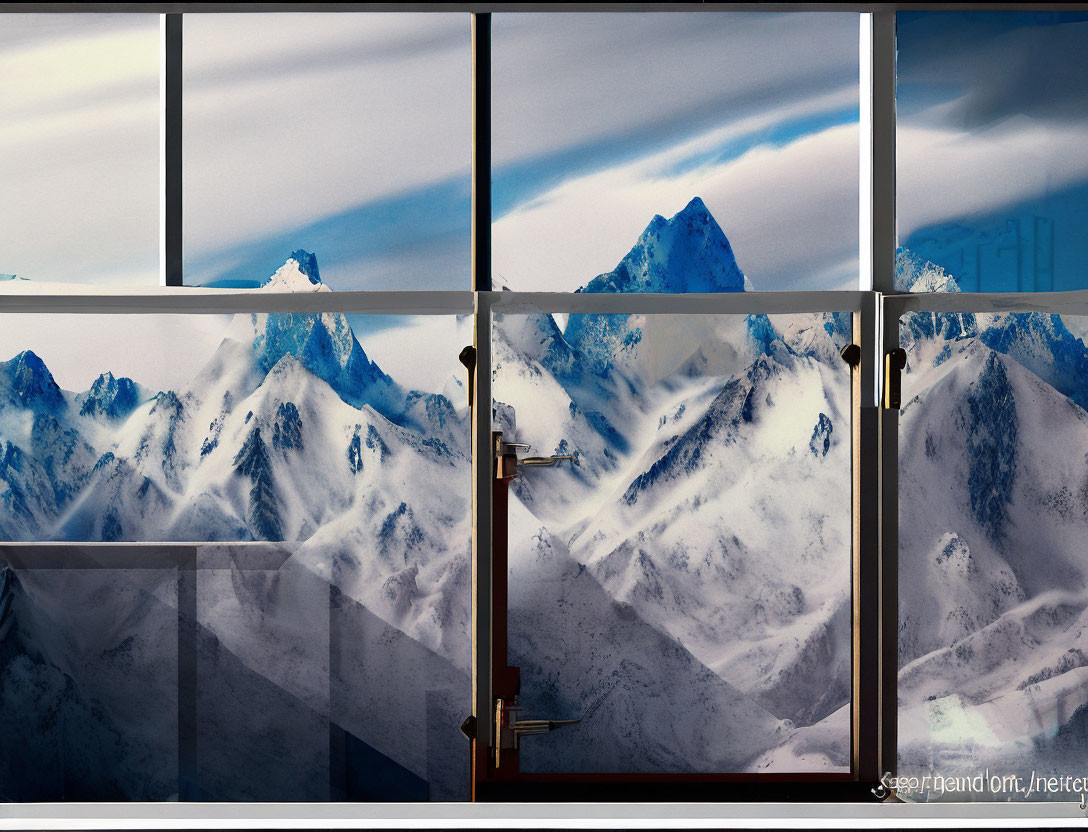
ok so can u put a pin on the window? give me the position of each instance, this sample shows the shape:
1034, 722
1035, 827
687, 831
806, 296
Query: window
612, 128
491, 412
991, 167
347, 135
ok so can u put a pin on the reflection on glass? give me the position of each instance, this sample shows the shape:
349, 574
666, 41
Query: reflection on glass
601, 122
992, 176
684, 581
79, 150
333, 666
349, 133
88, 679
992, 561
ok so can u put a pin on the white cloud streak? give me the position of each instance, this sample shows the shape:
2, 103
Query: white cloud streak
292, 118
79, 147
946, 173
565, 80
790, 213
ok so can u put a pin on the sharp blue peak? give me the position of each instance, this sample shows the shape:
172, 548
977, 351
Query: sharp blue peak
31, 384
688, 253
110, 397
307, 264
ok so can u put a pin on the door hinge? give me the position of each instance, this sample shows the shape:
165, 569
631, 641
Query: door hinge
468, 727
851, 354
468, 358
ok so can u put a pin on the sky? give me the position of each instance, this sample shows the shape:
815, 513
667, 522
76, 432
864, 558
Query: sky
992, 114
79, 147
346, 134
166, 352
601, 121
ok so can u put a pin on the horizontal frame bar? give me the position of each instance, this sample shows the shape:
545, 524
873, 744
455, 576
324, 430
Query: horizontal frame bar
1063, 303
706, 815
248, 555
168, 300
720, 303
172, 8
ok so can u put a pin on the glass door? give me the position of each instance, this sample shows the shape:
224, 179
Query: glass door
673, 544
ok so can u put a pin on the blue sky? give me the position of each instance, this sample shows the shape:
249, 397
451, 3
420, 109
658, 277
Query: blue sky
602, 120
993, 110
350, 135
681, 98
345, 134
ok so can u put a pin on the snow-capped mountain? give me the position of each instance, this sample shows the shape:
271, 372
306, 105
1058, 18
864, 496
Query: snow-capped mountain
993, 443
687, 253
663, 516
288, 433
683, 583
116, 462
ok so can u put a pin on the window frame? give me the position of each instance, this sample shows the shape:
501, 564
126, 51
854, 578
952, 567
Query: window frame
876, 321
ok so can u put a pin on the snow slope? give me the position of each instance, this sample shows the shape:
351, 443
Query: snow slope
993, 567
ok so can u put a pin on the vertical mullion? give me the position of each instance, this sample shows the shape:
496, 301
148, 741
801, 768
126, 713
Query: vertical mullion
884, 245
481, 152
482, 475
866, 694
883, 149
889, 565
172, 270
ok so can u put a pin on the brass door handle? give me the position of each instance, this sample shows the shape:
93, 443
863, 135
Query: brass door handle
542, 460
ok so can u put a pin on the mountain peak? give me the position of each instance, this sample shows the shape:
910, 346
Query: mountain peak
307, 264
687, 253
31, 383
913, 274
109, 396
695, 206
297, 275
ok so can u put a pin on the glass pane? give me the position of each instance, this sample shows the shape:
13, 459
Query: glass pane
331, 667
661, 582
992, 176
740, 128
232, 428
993, 504
88, 676
335, 671
79, 152
346, 134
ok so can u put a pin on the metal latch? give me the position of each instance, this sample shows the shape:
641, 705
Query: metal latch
894, 362
508, 732
507, 460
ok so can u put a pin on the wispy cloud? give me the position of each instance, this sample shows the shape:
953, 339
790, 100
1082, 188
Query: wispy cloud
79, 150
295, 119
602, 121
790, 212
993, 109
